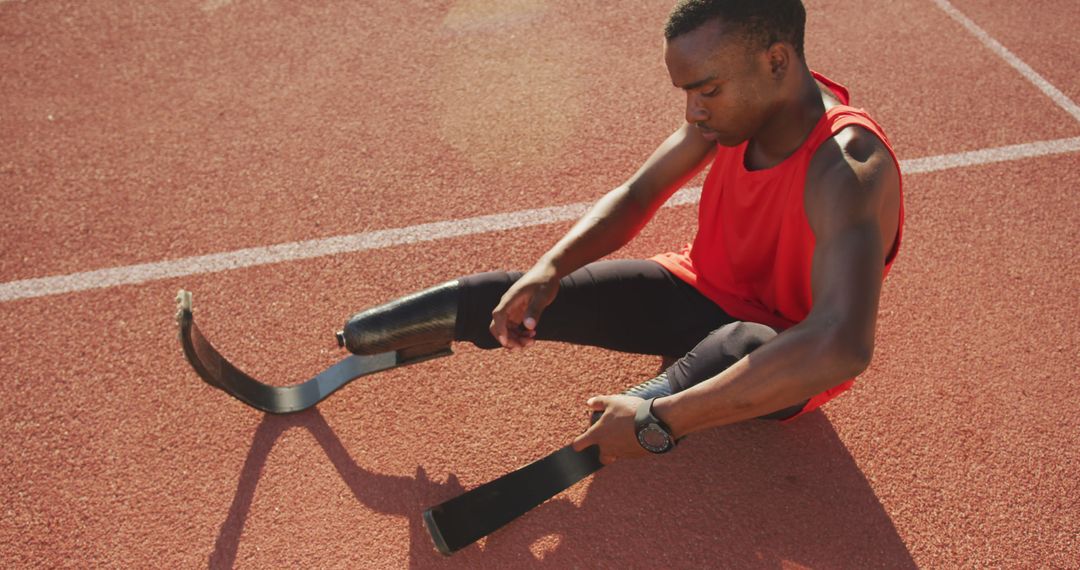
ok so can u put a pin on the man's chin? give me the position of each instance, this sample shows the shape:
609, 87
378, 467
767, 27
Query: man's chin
730, 141
721, 139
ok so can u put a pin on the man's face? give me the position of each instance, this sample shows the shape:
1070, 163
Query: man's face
729, 89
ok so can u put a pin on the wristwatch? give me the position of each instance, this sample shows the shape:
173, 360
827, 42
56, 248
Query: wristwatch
653, 434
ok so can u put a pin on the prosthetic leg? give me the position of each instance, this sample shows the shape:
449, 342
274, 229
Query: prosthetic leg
412, 329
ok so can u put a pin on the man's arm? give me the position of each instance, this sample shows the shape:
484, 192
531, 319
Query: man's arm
852, 204
622, 213
611, 223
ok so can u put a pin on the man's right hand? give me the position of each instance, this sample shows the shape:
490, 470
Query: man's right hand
612, 222
514, 321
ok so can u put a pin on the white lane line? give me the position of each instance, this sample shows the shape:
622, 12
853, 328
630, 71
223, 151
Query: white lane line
1030, 74
989, 155
255, 256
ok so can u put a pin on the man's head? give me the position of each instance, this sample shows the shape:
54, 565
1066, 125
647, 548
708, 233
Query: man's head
761, 22
734, 59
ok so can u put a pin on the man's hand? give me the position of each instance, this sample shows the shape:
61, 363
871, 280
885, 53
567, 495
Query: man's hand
614, 432
514, 321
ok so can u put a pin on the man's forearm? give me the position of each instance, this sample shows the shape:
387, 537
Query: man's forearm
617, 217
610, 224
797, 364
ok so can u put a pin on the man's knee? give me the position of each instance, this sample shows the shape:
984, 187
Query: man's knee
722, 348
743, 337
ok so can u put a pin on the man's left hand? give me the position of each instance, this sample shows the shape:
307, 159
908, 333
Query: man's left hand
614, 432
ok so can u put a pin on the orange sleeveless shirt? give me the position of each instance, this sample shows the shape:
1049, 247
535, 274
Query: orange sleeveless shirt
754, 247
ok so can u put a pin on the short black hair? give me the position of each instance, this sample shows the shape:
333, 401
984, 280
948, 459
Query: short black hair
764, 22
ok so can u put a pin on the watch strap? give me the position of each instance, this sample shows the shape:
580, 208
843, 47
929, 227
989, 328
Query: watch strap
643, 418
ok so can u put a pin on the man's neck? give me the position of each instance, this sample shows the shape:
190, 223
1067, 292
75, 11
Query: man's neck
787, 129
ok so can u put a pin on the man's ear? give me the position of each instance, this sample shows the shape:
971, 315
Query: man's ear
779, 55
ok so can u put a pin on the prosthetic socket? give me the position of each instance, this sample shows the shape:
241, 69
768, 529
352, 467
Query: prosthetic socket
417, 324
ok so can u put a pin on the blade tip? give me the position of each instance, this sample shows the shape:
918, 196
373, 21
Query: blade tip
183, 306
436, 534
183, 300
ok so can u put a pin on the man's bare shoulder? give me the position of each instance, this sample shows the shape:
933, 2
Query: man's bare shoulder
852, 169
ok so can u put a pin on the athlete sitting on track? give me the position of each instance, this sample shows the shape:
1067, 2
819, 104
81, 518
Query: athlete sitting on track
771, 311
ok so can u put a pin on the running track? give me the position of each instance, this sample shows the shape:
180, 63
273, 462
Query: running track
292, 163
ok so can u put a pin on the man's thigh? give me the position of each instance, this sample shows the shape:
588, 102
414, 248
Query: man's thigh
625, 305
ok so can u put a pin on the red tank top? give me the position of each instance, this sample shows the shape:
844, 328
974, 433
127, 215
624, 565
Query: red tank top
754, 247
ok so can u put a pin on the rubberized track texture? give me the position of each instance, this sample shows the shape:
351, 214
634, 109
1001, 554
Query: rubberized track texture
295, 162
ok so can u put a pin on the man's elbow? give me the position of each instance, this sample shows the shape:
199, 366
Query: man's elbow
848, 354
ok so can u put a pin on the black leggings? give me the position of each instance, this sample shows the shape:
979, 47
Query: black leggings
626, 305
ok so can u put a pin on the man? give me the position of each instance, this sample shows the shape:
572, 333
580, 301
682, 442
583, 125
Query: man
771, 311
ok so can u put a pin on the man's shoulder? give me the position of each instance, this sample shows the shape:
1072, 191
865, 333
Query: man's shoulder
854, 160
852, 171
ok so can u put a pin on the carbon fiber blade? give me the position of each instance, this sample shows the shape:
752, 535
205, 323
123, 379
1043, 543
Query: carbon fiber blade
472, 515
217, 371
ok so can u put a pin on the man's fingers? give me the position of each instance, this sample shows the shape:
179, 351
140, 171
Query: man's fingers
521, 331
587, 439
516, 337
597, 403
503, 328
506, 320
498, 327
531, 320
584, 440
537, 303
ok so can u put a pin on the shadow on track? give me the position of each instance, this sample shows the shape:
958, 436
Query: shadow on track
404, 496
756, 495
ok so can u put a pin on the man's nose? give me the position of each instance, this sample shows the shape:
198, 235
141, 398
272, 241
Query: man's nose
695, 111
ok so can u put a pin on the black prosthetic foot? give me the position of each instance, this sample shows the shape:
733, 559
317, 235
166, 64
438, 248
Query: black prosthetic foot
462, 520
218, 372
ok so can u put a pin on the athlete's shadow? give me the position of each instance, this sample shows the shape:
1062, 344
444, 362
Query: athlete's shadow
756, 495
404, 496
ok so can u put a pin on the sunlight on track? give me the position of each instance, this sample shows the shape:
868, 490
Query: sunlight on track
294, 251
211, 5
471, 15
545, 545
502, 101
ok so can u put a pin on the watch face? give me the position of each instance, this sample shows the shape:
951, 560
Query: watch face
654, 439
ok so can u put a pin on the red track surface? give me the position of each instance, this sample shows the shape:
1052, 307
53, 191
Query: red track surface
134, 134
